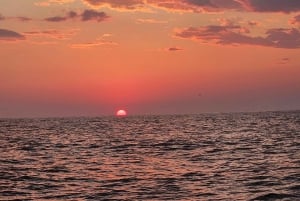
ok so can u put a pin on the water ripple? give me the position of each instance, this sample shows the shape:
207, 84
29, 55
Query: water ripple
240, 156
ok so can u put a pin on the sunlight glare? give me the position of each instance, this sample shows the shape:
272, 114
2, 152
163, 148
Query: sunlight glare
121, 113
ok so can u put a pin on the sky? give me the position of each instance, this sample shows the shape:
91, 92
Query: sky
93, 57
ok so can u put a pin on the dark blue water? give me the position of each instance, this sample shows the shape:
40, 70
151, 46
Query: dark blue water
241, 156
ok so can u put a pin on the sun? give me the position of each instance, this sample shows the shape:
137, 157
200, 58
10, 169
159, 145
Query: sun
121, 113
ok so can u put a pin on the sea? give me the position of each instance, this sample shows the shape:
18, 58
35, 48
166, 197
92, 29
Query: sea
223, 156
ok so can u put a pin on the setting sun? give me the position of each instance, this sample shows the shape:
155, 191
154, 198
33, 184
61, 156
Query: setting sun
121, 113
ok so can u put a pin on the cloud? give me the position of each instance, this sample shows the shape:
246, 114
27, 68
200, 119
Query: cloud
171, 5
9, 35
284, 38
175, 5
197, 6
93, 15
22, 19
180, 6
227, 22
93, 44
295, 20
285, 6
215, 5
201, 3
50, 2
117, 4
101, 41
235, 35
56, 19
86, 15
284, 61
253, 23
106, 35
151, 21
173, 49
70, 15
52, 33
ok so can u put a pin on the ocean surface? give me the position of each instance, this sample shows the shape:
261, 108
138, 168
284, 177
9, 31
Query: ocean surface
234, 156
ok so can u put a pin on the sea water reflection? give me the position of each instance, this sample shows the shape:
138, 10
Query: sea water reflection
240, 156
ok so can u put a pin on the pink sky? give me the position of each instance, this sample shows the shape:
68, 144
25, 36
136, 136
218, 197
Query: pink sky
93, 57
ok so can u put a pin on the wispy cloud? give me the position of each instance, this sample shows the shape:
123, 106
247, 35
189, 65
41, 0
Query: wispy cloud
94, 44
118, 4
174, 49
9, 35
86, 15
284, 61
101, 41
55, 19
22, 19
234, 35
151, 21
70, 15
285, 6
51, 2
52, 33
197, 6
175, 5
